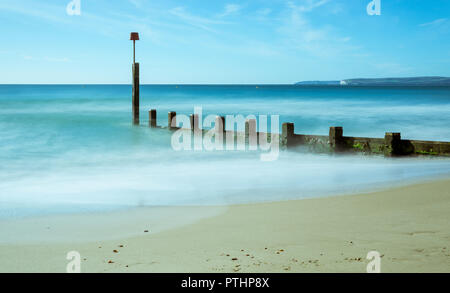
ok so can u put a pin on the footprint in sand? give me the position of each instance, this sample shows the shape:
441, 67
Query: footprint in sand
420, 232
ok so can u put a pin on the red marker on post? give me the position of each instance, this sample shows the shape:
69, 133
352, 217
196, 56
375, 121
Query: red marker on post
134, 37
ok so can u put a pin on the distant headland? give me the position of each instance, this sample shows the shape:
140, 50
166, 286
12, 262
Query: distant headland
395, 81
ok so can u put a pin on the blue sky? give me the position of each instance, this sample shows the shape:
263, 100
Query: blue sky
199, 41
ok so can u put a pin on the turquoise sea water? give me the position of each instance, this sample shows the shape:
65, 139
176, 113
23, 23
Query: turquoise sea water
72, 148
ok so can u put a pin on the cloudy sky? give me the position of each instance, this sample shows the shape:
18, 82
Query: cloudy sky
199, 41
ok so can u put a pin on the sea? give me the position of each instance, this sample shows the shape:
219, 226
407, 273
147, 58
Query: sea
68, 149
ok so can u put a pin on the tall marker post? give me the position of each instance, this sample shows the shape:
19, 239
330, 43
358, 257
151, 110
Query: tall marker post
135, 96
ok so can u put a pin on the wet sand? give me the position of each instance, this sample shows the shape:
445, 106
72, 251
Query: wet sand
409, 226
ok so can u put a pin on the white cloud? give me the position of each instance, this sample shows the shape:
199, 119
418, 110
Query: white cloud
434, 22
53, 59
137, 3
48, 59
309, 5
301, 34
264, 11
38, 10
231, 9
107, 24
193, 20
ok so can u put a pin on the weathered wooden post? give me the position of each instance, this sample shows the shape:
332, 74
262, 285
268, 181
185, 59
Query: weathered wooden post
251, 133
336, 138
152, 118
220, 124
172, 120
194, 122
135, 95
135, 98
287, 134
392, 144
219, 128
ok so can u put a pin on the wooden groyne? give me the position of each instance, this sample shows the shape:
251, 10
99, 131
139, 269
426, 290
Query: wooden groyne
392, 145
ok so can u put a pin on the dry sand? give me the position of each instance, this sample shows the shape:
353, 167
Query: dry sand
409, 226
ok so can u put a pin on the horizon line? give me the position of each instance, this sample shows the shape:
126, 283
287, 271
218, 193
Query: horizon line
175, 84
252, 84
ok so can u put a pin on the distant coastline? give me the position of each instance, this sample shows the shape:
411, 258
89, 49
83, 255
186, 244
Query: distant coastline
395, 81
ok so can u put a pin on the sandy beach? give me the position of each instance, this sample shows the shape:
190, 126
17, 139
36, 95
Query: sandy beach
409, 226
